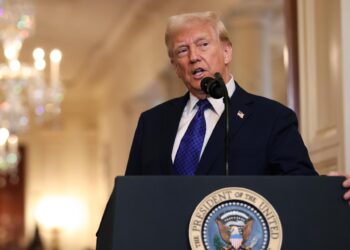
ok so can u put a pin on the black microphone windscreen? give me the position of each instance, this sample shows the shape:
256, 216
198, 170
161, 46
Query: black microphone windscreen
206, 81
212, 87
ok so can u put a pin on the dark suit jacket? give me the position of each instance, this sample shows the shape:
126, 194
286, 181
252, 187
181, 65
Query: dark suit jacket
265, 141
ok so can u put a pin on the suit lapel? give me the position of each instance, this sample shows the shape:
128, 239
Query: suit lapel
170, 123
240, 111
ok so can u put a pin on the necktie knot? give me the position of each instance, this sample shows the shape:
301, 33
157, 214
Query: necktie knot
203, 105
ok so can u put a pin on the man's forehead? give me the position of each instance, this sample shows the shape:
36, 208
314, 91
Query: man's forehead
190, 38
193, 33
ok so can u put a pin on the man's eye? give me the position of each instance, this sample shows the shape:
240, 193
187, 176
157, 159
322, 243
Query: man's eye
204, 44
181, 51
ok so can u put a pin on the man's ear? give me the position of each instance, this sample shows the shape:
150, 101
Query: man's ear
227, 52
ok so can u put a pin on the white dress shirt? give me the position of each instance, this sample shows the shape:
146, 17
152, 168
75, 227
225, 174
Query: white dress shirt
211, 115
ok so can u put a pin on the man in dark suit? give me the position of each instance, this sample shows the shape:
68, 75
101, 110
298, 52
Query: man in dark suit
264, 141
264, 137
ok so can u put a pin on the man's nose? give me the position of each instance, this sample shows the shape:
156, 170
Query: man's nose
194, 55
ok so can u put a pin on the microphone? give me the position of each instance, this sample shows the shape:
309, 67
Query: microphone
214, 87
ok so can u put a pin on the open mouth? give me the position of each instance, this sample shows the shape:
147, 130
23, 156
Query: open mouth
198, 72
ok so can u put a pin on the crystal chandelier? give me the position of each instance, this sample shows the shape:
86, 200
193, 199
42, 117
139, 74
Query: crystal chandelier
24, 91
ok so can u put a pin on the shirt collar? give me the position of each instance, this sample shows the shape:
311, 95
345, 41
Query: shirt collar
217, 104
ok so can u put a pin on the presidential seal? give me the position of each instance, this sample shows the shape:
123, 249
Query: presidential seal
235, 219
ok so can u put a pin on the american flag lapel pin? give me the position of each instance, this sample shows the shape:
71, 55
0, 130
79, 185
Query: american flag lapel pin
240, 114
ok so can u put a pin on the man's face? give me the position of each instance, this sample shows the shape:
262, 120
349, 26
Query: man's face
197, 52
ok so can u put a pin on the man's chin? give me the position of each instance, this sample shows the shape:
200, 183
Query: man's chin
195, 84
198, 92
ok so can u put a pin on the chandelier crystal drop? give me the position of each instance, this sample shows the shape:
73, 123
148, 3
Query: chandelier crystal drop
25, 93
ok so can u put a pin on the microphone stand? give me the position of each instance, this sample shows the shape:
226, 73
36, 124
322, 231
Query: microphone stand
216, 88
227, 130
226, 100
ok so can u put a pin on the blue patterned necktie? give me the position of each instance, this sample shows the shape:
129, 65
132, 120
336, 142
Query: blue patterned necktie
188, 154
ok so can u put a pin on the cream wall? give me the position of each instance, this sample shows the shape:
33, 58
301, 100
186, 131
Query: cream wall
62, 167
345, 40
257, 32
321, 82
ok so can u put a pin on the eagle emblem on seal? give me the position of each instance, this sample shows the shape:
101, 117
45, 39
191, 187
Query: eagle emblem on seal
235, 230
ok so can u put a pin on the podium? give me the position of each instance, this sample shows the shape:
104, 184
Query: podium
154, 212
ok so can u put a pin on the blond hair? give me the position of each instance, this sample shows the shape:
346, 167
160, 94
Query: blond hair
177, 22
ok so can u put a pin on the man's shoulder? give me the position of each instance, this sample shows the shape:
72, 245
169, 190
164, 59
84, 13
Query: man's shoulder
264, 103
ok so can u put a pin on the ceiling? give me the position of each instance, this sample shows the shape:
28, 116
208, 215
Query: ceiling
79, 28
